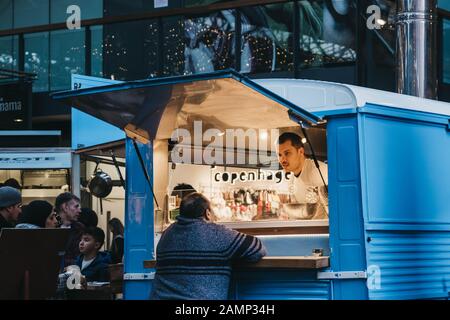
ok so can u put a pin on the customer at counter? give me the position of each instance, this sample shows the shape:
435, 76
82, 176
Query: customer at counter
307, 185
10, 206
194, 255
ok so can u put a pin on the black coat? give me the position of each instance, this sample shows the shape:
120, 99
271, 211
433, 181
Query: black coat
98, 269
4, 223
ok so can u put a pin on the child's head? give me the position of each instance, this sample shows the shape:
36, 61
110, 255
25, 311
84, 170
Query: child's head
92, 240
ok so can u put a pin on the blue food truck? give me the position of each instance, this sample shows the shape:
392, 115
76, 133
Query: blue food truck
387, 230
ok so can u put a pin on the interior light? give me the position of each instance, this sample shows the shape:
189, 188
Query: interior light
263, 135
221, 133
18, 120
381, 22
304, 140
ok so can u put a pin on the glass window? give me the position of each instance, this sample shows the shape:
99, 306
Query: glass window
130, 50
29, 13
444, 4
121, 7
446, 48
8, 52
327, 32
199, 44
97, 51
36, 58
67, 55
173, 46
196, 3
151, 46
267, 38
89, 9
6, 14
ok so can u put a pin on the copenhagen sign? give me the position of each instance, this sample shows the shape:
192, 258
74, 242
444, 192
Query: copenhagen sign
250, 176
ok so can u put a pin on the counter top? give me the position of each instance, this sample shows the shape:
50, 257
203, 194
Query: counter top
295, 262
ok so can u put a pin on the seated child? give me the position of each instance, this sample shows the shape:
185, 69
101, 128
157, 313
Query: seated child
93, 264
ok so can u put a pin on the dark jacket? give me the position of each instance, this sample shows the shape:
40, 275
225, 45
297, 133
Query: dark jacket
4, 223
72, 246
194, 259
117, 249
98, 269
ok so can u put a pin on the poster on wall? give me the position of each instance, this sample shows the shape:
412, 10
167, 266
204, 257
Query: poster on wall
15, 106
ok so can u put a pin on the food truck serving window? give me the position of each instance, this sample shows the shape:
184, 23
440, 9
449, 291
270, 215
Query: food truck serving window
244, 180
217, 134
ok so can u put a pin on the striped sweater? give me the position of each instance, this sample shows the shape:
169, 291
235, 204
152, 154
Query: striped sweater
194, 259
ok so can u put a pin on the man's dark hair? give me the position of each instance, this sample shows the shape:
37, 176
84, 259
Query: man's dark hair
294, 138
96, 233
194, 205
182, 189
63, 198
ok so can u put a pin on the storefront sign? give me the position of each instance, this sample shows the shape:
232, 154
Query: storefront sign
55, 160
250, 176
15, 106
161, 3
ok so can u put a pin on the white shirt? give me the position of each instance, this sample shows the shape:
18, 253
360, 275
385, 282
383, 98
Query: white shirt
86, 263
309, 177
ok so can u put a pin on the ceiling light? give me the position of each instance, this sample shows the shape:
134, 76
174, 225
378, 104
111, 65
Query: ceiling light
381, 22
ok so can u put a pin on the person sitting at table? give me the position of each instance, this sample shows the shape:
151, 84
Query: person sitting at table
92, 262
37, 214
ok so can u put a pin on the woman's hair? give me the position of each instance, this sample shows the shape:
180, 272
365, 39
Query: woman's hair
36, 212
116, 226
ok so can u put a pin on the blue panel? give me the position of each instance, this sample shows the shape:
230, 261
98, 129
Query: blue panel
274, 284
139, 231
347, 239
407, 170
347, 170
413, 265
87, 130
137, 290
350, 225
352, 258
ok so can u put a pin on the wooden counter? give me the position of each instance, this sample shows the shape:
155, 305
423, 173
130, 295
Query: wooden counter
293, 262
296, 262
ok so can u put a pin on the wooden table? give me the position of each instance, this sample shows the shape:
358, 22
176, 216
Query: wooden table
292, 262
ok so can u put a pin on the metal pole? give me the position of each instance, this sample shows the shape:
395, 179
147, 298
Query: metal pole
416, 54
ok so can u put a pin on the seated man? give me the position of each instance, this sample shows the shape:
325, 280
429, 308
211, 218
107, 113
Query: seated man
195, 255
93, 264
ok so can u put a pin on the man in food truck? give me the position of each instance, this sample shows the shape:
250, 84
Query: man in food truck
308, 185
